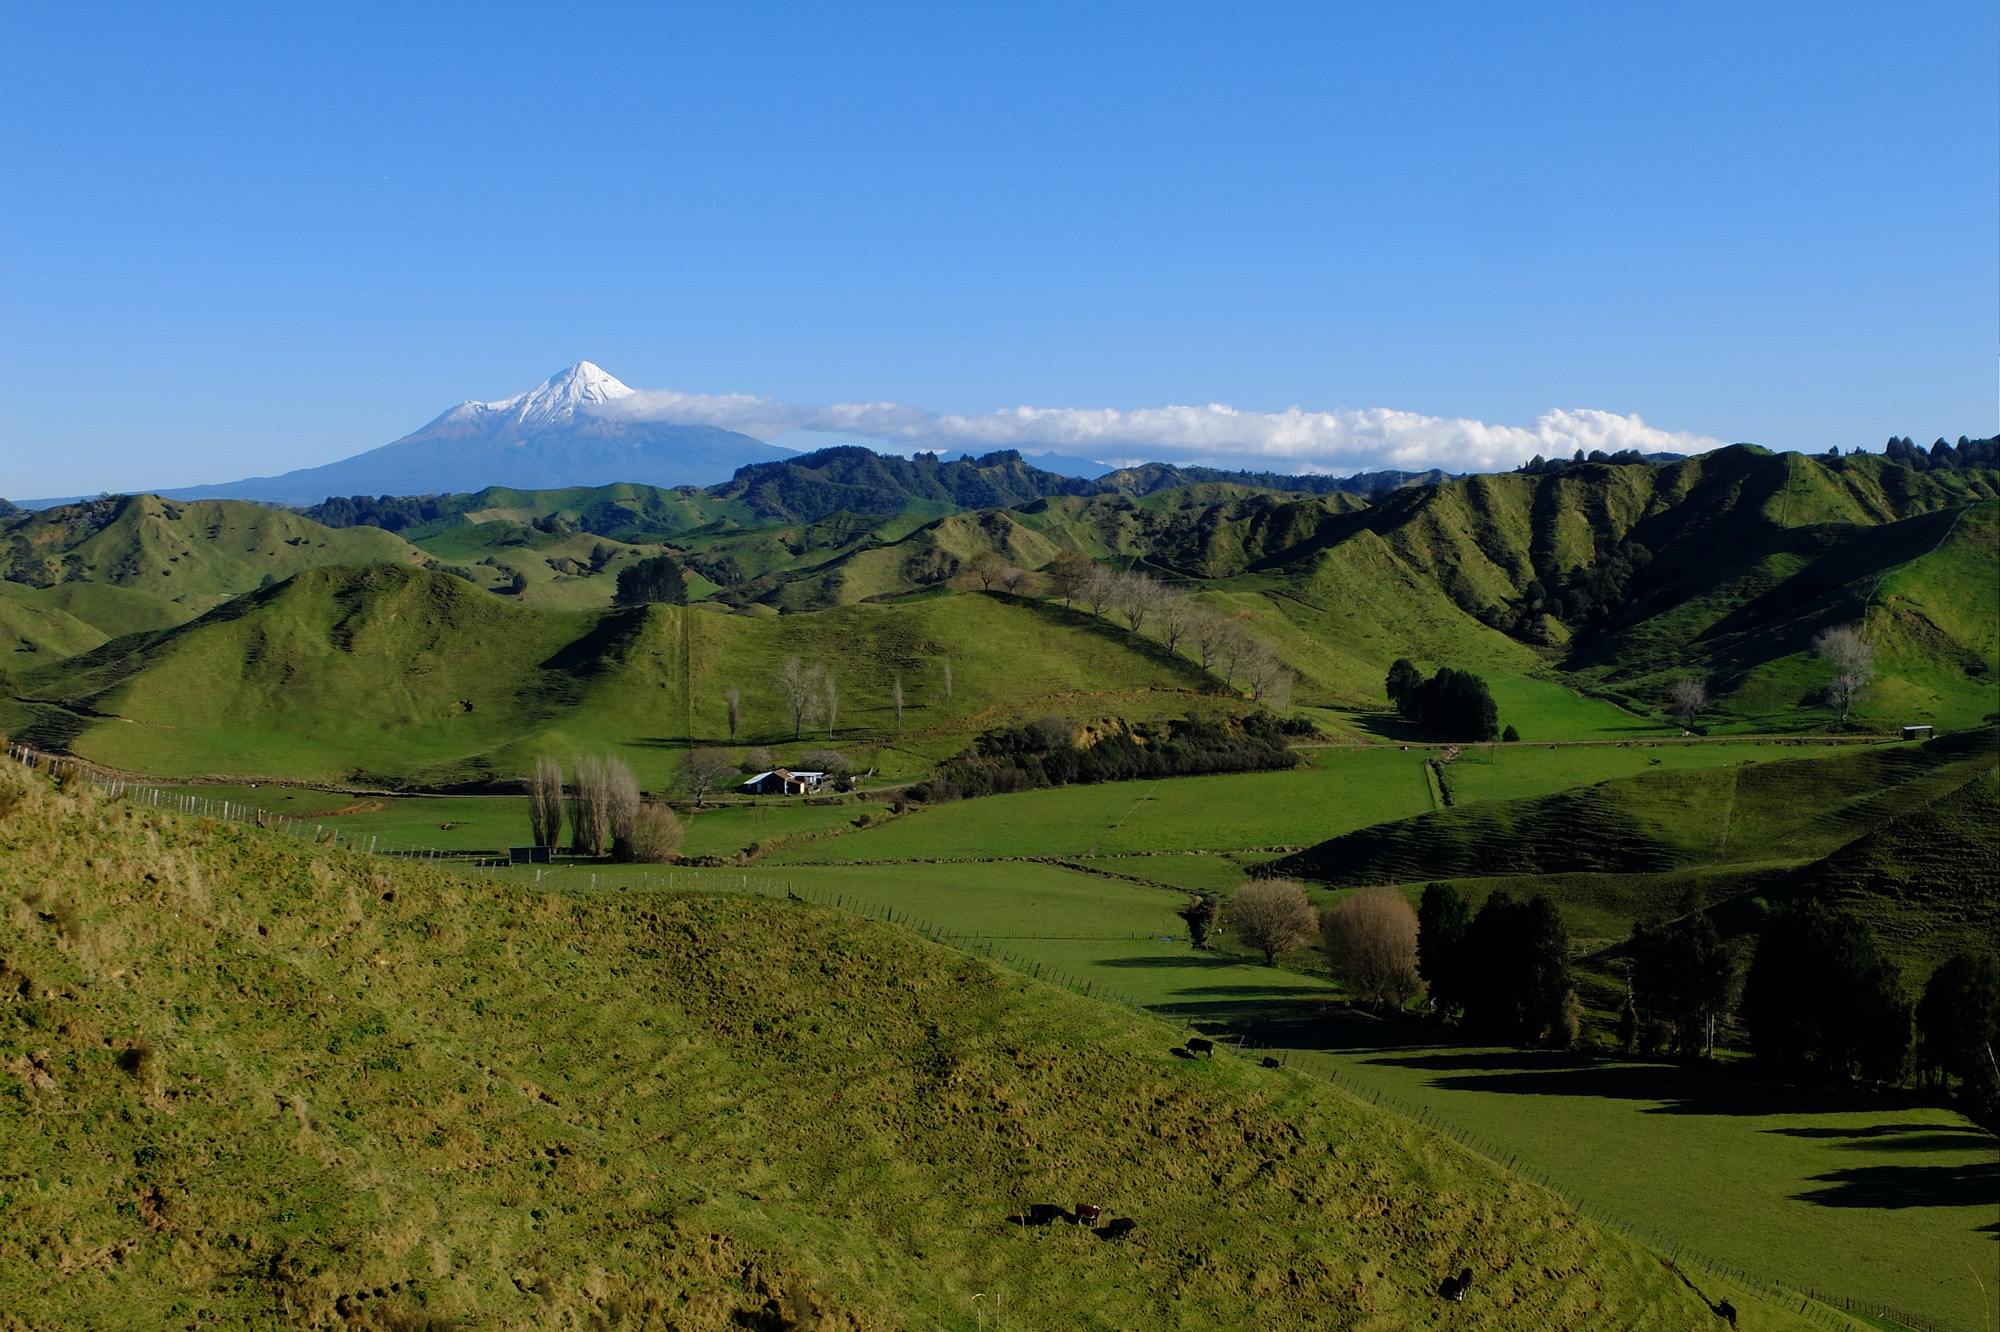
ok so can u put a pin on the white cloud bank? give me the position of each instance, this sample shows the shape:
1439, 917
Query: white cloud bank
1216, 435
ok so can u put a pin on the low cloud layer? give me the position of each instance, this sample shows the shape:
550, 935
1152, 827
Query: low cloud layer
1216, 435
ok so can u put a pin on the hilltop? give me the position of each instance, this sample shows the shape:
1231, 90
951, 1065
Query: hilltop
259, 1080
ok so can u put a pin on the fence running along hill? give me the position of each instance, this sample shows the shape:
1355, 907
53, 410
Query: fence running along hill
1822, 1307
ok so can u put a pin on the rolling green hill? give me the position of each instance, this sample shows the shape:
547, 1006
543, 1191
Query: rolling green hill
400, 675
195, 554
252, 1081
1784, 812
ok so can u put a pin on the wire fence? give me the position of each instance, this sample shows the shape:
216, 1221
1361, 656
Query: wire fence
1822, 1307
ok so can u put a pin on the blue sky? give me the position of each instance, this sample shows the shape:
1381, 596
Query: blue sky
236, 240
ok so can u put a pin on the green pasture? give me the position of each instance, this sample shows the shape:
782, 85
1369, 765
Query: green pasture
1506, 772
1229, 812
1879, 1198
1544, 710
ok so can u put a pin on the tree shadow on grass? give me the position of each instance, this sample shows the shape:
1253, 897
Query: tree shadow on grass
1150, 963
1900, 1186
1675, 1089
1896, 1137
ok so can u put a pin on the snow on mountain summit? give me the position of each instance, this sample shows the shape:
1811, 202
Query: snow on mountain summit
553, 402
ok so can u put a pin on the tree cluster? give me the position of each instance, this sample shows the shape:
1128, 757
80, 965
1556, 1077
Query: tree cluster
391, 513
1540, 466
1943, 457
1220, 643
1021, 758
1958, 1025
1503, 972
1823, 1000
601, 803
1683, 979
659, 579
1454, 703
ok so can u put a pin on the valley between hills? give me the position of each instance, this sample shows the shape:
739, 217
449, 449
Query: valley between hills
288, 1037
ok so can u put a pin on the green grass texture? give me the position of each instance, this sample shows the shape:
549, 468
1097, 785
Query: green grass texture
259, 1083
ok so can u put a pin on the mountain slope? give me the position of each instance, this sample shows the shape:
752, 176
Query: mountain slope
554, 435
259, 1082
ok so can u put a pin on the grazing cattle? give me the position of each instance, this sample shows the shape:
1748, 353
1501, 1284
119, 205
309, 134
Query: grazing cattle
1117, 1228
1726, 1310
1201, 1045
1041, 1214
1448, 1289
1464, 1284
1182, 1052
1269, 1062
1087, 1213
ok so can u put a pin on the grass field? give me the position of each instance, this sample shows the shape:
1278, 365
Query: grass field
1879, 1199
1544, 710
256, 1083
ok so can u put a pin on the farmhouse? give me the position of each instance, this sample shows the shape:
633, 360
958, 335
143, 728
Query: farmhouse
783, 781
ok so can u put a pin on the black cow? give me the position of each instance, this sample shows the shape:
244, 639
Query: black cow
1201, 1045
1726, 1310
1454, 1288
1269, 1062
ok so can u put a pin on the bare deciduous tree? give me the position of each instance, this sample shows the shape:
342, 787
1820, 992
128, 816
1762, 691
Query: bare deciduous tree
1371, 944
799, 686
832, 704
1174, 612
756, 760
1138, 596
1687, 699
621, 803
1012, 578
656, 835
1235, 645
545, 802
1067, 571
1276, 691
988, 568
1263, 669
1097, 589
896, 697
826, 760
735, 700
1273, 916
703, 770
1206, 630
589, 806
1853, 660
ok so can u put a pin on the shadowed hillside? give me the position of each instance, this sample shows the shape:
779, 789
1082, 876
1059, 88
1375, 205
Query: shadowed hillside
257, 1081
1794, 810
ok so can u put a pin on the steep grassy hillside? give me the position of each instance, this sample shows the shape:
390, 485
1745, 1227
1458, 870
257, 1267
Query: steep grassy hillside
1929, 881
1788, 811
197, 553
399, 675
247, 1081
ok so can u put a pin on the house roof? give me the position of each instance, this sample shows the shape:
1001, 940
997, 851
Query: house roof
785, 772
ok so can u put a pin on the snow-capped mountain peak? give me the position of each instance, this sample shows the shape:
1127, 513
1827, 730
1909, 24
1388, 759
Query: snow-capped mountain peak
557, 399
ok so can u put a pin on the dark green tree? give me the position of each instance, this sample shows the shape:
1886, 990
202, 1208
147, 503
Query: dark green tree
1684, 975
1201, 915
659, 579
1821, 998
1517, 968
1442, 921
1958, 1020
1403, 683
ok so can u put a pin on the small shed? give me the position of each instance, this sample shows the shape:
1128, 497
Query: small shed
783, 781
1916, 732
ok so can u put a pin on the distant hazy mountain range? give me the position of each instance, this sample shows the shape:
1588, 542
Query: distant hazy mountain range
546, 438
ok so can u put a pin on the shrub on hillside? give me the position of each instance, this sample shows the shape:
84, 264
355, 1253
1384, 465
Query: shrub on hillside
1273, 917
